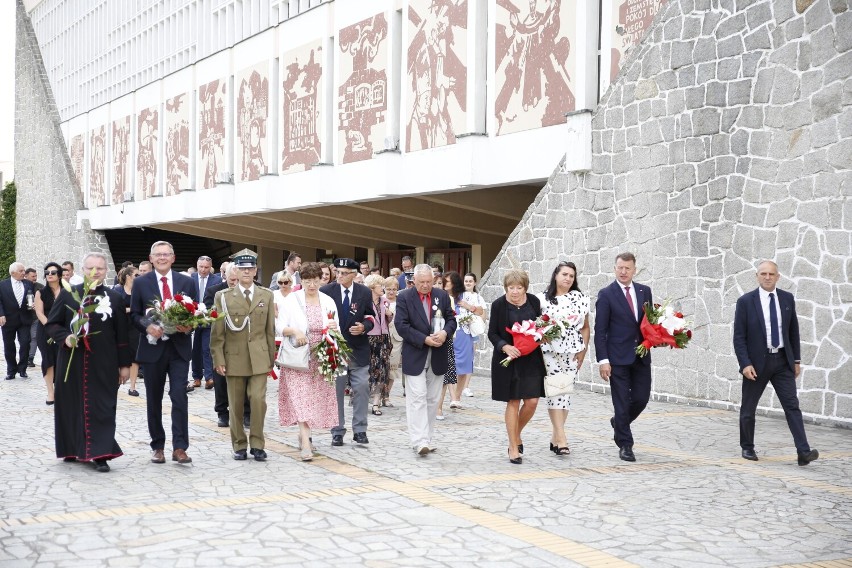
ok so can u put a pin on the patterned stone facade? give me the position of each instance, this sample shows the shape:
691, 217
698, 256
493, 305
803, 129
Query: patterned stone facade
727, 138
48, 190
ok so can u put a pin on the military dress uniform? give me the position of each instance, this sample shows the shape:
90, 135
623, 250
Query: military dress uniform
243, 341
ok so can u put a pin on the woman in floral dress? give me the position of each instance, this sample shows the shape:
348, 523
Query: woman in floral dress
564, 301
304, 397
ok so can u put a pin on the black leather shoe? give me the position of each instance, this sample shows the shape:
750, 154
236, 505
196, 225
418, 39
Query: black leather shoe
240, 455
259, 455
626, 453
749, 455
23, 375
360, 438
10, 377
190, 387
246, 421
30, 363
807, 457
337, 440
612, 423
223, 422
101, 466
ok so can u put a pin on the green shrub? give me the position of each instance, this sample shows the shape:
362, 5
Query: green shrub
8, 199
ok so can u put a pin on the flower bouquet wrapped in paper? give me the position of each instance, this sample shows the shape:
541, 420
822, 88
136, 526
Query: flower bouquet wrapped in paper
332, 353
529, 334
662, 326
180, 311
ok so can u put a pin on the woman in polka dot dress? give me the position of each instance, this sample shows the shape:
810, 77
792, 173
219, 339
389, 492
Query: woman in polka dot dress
564, 301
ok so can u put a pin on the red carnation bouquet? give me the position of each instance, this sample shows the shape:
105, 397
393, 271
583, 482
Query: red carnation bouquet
663, 326
332, 353
180, 311
529, 334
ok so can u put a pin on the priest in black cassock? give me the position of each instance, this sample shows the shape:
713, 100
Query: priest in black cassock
84, 413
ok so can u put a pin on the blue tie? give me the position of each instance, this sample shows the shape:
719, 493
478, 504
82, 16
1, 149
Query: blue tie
345, 315
773, 321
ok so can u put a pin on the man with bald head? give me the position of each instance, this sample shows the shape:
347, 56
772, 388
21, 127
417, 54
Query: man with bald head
766, 342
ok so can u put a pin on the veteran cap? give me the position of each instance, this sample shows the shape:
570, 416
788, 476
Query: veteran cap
349, 263
245, 258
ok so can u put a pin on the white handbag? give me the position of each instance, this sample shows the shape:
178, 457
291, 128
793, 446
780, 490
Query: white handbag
558, 384
293, 357
476, 326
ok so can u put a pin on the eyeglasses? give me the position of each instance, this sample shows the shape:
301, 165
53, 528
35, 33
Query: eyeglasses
52, 272
162, 254
346, 272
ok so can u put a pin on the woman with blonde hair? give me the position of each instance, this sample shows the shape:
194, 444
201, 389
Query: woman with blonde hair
380, 343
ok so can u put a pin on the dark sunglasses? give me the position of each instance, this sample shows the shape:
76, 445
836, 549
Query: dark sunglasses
51, 272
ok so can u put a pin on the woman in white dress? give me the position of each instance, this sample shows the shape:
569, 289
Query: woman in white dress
564, 301
285, 286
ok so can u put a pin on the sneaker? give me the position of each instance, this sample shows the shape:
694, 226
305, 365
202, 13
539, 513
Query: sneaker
467, 392
439, 417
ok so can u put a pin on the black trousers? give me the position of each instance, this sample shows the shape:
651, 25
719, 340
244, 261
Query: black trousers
630, 388
783, 380
171, 366
22, 333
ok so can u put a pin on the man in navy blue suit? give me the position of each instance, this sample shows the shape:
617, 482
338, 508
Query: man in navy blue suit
16, 315
618, 315
202, 363
766, 342
424, 353
357, 317
163, 355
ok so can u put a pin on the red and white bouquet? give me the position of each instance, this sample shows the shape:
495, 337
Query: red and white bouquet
332, 352
529, 334
663, 326
180, 311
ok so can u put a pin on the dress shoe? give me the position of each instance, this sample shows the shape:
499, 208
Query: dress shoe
158, 457
23, 375
189, 387
612, 423
240, 455
223, 422
259, 455
521, 448
807, 457
49, 402
30, 363
179, 455
626, 453
101, 466
337, 440
360, 438
196, 383
133, 392
10, 377
208, 384
69, 459
518, 460
246, 421
422, 450
749, 455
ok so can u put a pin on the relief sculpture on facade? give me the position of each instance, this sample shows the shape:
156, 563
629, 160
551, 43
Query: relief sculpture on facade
78, 155
147, 134
177, 144
97, 165
301, 110
211, 132
252, 114
120, 157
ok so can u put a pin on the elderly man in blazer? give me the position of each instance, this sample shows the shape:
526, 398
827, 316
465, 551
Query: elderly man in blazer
163, 355
16, 316
424, 319
243, 348
618, 316
357, 317
766, 342
202, 364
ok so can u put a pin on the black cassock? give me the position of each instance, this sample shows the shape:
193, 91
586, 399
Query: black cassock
84, 413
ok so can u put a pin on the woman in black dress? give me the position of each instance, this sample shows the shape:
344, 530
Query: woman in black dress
43, 304
523, 378
126, 276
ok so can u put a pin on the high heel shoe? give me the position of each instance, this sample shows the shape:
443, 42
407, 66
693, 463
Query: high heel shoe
562, 451
49, 402
517, 460
306, 451
553, 447
521, 448
376, 410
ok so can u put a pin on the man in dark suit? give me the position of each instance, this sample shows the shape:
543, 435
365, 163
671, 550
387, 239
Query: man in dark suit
168, 355
202, 364
618, 316
16, 316
766, 342
357, 317
424, 319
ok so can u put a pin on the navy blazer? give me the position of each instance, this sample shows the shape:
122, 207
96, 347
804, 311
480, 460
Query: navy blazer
750, 344
146, 289
360, 306
212, 280
413, 326
617, 332
16, 314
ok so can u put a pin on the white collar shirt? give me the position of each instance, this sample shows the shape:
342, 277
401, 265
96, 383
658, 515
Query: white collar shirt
170, 281
764, 304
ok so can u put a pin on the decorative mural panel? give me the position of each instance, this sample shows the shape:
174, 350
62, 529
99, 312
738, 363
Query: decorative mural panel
121, 188
301, 108
436, 71
97, 167
147, 134
534, 63
78, 155
177, 144
211, 132
252, 115
632, 20
362, 96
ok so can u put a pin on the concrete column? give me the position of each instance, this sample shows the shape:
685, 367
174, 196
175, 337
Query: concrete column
268, 261
371, 257
476, 260
419, 255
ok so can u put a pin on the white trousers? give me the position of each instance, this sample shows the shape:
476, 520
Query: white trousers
421, 404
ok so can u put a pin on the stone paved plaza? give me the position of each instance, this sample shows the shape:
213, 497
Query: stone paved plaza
689, 500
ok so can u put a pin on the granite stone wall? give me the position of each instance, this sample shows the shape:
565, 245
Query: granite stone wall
48, 196
727, 138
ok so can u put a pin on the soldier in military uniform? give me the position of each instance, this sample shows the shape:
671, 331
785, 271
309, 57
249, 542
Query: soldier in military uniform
243, 348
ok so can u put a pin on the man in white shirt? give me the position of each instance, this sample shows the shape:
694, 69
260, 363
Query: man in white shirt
69, 274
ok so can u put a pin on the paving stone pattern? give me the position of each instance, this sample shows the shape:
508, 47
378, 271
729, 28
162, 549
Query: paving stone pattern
689, 500
726, 139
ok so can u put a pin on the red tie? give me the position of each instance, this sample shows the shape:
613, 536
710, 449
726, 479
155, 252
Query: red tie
167, 292
630, 301
425, 299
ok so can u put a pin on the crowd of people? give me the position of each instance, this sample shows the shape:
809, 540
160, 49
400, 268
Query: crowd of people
416, 328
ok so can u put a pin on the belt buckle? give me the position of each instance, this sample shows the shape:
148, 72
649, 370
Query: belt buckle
773, 350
